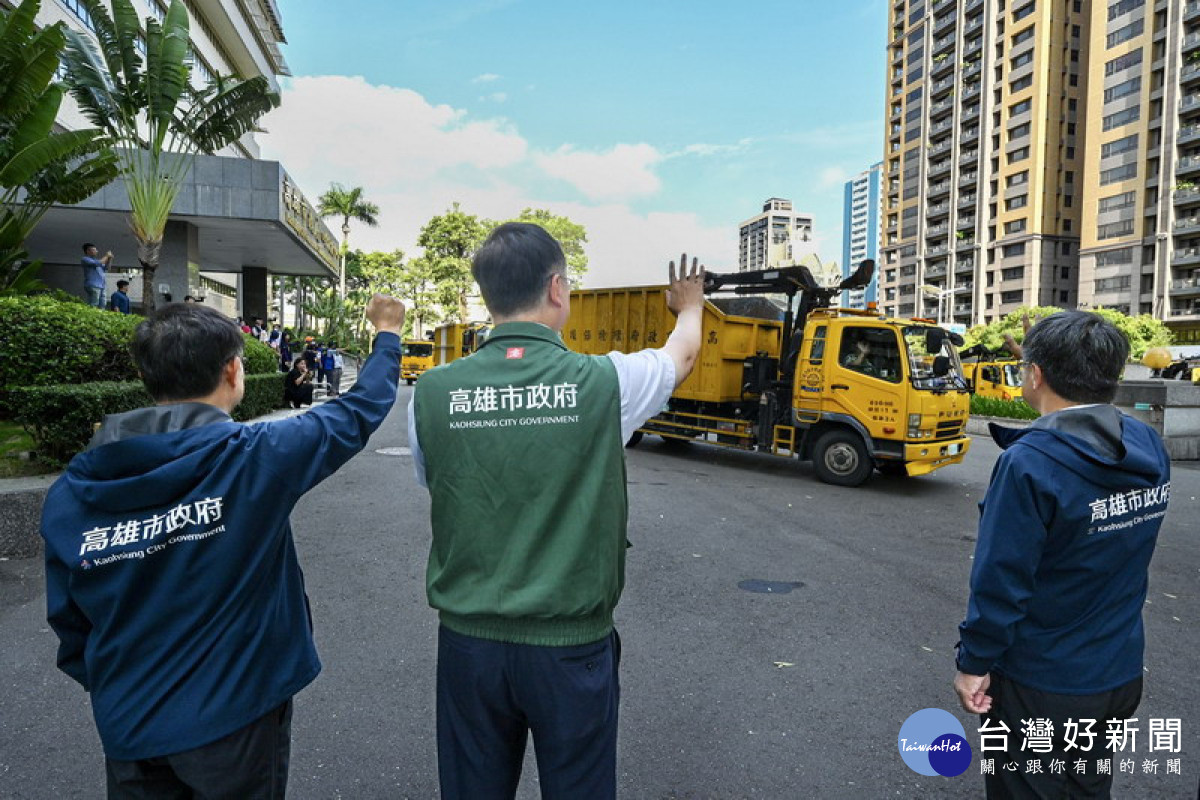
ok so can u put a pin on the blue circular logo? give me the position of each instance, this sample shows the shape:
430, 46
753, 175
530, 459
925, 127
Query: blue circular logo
933, 742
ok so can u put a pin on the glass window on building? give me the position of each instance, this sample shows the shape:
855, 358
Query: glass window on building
1121, 173
1011, 250
1117, 201
1114, 230
1121, 35
1112, 258
1120, 118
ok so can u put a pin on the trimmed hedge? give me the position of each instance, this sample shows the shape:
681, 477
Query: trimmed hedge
51, 342
995, 407
61, 418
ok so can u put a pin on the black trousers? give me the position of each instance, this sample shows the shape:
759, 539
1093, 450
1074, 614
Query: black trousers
248, 764
491, 695
1012, 703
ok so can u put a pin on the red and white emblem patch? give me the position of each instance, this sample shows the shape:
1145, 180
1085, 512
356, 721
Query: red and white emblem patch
515, 352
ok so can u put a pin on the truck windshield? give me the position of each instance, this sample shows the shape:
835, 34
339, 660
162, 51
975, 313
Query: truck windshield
921, 361
1012, 375
417, 350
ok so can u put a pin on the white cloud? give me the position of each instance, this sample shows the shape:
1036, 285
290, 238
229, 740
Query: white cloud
487, 77
495, 97
624, 172
414, 159
832, 176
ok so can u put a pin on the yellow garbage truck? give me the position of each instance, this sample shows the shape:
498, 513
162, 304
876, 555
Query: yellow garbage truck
416, 356
852, 391
457, 339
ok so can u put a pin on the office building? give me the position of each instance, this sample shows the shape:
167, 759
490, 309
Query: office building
239, 221
777, 237
860, 232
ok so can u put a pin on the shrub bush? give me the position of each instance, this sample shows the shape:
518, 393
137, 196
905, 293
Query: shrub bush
995, 407
62, 418
51, 342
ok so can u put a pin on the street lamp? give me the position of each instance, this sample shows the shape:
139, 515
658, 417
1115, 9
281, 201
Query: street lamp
941, 295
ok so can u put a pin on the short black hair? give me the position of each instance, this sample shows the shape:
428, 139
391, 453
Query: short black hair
1080, 353
87, 245
513, 266
122, 284
182, 349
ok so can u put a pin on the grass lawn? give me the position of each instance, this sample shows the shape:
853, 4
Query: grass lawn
14, 441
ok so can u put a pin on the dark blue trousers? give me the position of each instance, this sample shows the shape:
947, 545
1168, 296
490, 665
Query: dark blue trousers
491, 695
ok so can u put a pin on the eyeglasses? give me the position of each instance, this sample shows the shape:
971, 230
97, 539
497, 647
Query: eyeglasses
1024, 364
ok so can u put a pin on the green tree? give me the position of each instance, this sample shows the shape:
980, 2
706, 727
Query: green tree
450, 240
349, 205
38, 167
152, 112
570, 235
418, 288
1143, 331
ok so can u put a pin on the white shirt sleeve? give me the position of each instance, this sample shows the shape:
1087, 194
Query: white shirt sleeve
417, 456
646, 379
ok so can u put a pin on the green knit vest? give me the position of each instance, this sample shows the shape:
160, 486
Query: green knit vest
526, 471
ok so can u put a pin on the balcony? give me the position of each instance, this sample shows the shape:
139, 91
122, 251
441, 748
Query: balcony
942, 66
967, 178
937, 230
964, 265
970, 134
1185, 312
1191, 41
1187, 225
974, 4
971, 112
972, 68
944, 43
1189, 102
937, 250
1191, 11
939, 189
936, 271
973, 26
938, 210
969, 157
974, 46
1188, 133
965, 243
1185, 287
1186, 197
1189, 74
942, 23
944, 125
962, 308
940, 86
944, 147
963, 288
966, 201
1187, 164
941, 107
971, 90
1187, 256
939, 169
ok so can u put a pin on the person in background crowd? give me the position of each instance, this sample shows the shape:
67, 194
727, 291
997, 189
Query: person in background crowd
120, 298
297, 386
94, 270
172, 580
333, 363
285, 350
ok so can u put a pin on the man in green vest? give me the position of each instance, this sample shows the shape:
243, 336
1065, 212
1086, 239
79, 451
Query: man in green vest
521, 447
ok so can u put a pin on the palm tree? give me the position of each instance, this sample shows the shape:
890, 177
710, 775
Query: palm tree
38, 167
349, 205
152, 111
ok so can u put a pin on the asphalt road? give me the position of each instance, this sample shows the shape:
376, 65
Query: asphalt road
727, 693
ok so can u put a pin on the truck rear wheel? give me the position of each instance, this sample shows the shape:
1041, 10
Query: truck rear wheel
840, 458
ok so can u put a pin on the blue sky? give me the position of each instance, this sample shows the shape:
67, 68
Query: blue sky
658, 125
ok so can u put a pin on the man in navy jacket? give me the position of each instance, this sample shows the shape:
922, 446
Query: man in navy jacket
171, 574
1053, 638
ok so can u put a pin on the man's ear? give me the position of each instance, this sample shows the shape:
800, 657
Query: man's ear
559, 290
230, 372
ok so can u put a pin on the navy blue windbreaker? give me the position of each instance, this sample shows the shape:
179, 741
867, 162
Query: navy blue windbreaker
171, 575
1066, 534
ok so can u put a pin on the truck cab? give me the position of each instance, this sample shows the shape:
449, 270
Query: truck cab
455, 340
416, 356
996, 379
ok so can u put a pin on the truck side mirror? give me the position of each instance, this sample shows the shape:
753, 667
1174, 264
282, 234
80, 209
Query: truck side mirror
934, 338
941, 366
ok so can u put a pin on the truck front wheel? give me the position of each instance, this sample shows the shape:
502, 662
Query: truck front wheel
840, 458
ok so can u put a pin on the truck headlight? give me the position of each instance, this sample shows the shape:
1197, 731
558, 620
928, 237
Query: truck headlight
914, 426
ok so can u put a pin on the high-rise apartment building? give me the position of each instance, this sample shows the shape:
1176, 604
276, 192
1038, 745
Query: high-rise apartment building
238, 222
1140, 248
773, 238
983, 156
860, 232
